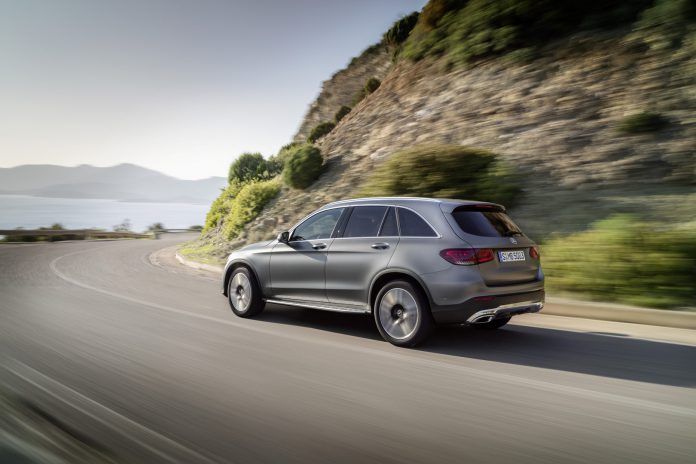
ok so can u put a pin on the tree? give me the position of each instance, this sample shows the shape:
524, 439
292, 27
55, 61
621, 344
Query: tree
125, 226
249, 166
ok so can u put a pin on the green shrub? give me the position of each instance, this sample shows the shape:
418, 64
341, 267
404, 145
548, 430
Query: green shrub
249, 166
303, 166
341, 113
444, 171
399, 31
473, 29
221, 205
247, 204
624, 260
371, 85
671, 19
320, 130
642, 122
276, 163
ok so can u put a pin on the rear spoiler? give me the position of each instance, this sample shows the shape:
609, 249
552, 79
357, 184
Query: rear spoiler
483, 206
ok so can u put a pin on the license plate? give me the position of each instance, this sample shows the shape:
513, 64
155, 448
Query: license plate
511, 256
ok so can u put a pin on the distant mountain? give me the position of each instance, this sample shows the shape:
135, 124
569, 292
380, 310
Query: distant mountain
125, 182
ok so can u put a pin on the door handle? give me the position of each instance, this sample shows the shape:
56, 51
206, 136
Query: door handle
380, 245
319, 246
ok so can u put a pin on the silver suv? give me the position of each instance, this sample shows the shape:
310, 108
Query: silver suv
410, 262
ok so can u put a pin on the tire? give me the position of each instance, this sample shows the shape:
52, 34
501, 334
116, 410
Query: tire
492, 325
244, 294
402, 314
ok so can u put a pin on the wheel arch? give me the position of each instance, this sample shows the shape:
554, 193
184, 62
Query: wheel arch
387, 275
234, 265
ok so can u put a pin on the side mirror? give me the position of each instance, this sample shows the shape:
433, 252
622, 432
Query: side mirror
284, 237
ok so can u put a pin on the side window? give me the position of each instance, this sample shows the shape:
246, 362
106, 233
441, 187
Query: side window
365, 221
412, 225
389, 227
318, 226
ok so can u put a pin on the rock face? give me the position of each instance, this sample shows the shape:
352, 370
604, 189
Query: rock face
554, 120
343, 86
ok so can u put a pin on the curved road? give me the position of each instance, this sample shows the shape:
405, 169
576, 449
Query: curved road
144, 357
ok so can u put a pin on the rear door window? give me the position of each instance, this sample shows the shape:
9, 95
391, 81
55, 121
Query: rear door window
412, 225
485, 221
365, 221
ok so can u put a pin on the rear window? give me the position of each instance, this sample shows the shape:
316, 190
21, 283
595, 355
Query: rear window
485, 221
412, 225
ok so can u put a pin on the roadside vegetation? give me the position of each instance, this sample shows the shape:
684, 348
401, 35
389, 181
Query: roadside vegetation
466, 31
625, 260
641, 123
320, 130
443, 171
254, 181
303, 166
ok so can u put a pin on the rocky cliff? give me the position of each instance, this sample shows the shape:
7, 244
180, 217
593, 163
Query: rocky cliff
555, 119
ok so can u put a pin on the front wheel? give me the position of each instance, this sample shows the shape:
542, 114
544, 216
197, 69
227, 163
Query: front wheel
402, 314
244, 294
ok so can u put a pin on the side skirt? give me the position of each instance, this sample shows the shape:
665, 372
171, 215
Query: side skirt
321, 306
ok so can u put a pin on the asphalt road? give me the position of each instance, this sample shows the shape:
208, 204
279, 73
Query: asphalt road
145, 358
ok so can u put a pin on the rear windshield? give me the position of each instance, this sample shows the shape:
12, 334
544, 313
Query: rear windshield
485, 221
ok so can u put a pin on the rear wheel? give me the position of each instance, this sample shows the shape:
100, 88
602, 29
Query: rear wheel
244, 294
402, 314
492, 325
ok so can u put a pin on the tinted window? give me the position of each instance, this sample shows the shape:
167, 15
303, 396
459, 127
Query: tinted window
389, 227
485, 221
365, 221
412, 225
318, 226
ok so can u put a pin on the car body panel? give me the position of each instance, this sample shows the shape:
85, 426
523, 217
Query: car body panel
351, 263
342, 276
297, 270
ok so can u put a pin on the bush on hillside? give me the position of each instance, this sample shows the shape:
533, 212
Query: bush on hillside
444, 171
468, 30
303, 166
624, 260
249, 166
320, 130
247, 204
399, 31
372, 84
221, 205
341, 113
672, 19
642, 123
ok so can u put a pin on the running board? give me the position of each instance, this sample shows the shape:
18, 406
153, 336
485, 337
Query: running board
323, 307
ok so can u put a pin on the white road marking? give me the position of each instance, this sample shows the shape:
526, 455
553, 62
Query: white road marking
400, 355
171, 443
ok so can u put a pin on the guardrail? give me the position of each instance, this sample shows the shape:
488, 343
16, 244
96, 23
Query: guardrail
78, 233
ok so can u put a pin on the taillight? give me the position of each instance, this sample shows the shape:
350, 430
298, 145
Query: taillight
534, 253
467, 256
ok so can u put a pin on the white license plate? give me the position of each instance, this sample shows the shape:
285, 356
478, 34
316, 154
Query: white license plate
510, 256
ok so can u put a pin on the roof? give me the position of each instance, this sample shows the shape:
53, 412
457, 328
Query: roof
404, 201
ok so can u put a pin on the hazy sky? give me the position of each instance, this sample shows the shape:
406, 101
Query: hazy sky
178, 86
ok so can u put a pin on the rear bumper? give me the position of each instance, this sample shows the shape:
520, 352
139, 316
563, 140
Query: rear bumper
504, 312
485, 309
